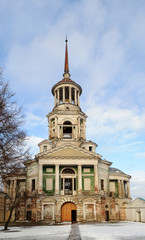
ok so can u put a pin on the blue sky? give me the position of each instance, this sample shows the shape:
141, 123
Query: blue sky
106, 57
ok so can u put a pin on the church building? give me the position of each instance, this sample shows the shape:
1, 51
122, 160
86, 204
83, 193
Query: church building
68, 181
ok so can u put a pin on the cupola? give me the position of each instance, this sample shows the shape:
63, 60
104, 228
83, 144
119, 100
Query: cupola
66, 90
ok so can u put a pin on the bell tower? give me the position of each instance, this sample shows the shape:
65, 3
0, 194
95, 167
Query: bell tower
67, 121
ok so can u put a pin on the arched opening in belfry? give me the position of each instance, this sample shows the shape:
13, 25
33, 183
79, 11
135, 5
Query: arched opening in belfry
72, 95
67, 94
67, 130
60, 95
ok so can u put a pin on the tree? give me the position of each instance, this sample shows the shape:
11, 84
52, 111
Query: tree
12, 138
16, 196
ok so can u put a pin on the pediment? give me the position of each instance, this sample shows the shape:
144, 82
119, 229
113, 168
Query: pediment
69, 152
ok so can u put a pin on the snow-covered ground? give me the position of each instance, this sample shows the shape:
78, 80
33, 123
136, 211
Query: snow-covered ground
39, 232
114, 231
96, 231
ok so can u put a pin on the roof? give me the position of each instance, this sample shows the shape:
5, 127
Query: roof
17, 172
88, 141
141, 199
66, 80
117, 171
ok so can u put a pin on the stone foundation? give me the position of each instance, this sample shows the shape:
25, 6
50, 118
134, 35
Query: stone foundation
89, 209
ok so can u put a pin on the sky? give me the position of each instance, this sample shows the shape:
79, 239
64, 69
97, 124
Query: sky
106, 47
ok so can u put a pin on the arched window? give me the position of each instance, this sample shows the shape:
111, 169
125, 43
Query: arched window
68, 171
68, 181
67, 130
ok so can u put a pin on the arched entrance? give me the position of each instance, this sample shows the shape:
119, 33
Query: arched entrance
68, 212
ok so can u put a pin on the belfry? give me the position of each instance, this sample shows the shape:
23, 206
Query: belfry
67, 180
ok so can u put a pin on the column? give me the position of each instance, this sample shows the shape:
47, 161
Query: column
84, 129
79, 128
56, 179
119, 189
78, 99
128, 189
122, 188
42, 212
40, 172
76, 131
63, 89
55, 98
56, 130
69, 94
5, 187
11, 188
58, 96
15, 190
96, 178
79, 179
75, 97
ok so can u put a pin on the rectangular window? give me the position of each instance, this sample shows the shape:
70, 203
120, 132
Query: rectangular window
102, 184
44, 148
90, 148
33, 184
49, 184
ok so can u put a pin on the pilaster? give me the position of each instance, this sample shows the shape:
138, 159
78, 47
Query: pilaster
79, 179
40, 172
96, 178
56, 179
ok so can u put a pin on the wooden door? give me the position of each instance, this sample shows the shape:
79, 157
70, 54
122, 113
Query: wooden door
66, 211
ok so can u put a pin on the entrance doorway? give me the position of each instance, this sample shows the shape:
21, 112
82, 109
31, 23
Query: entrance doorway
68, 212
29, 214
73, 216
139, 216
107, 215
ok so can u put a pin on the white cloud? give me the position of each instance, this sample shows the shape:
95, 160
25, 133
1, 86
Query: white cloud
140, 154
107, 120
32, 143
138, 184
33, 120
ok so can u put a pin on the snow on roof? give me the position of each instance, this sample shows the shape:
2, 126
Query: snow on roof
116, 171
